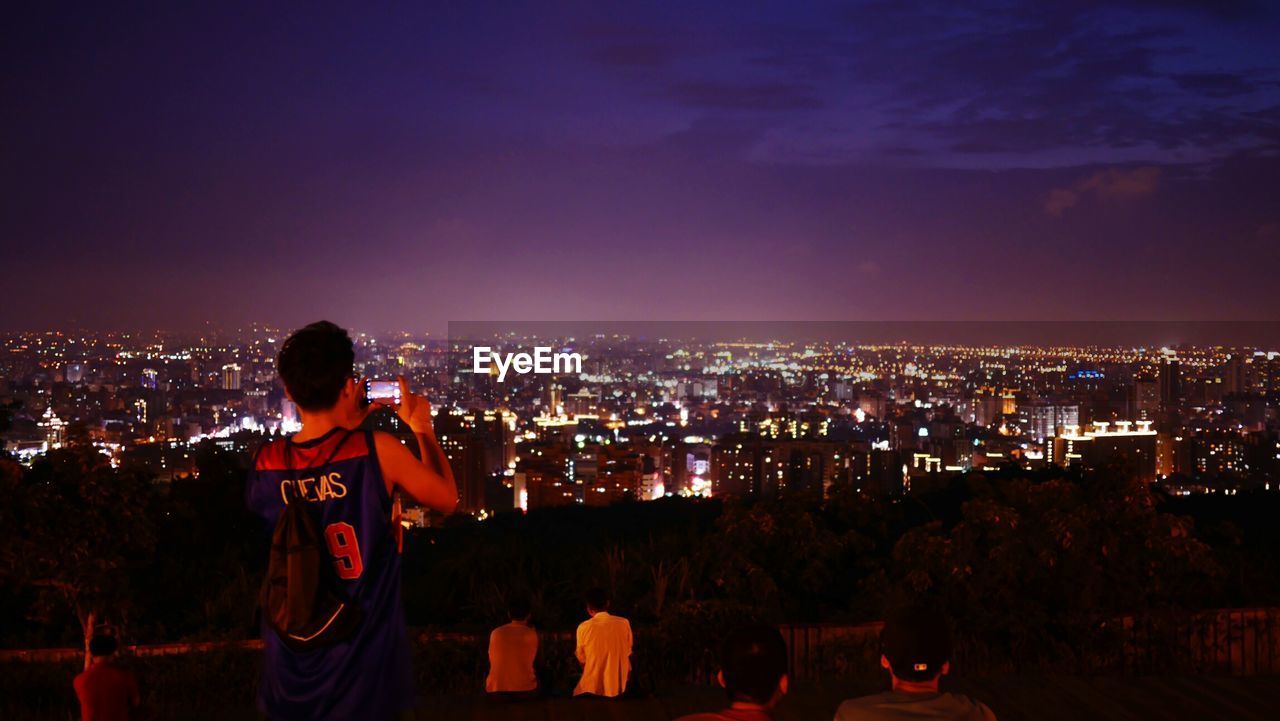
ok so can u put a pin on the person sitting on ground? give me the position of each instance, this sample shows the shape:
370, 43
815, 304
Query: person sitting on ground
513, 648
106, 691
603, 649
916, 651
753, 672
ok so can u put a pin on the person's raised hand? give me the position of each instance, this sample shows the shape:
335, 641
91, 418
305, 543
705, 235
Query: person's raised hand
363, 404
414, 410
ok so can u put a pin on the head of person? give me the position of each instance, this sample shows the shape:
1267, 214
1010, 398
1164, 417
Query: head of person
597, 600
518, 609
317, 365
753, 666
101, 647
915, 647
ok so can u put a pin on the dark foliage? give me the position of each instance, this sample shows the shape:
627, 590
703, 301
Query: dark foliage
1029, 566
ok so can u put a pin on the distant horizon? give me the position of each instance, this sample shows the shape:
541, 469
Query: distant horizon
1152, 335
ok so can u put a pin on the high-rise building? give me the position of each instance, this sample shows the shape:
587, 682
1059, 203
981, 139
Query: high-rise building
54, 428
1218, 454
1101, 446
541, 477
872, 404
1170, 385
1234, 375
1166, 454
651, 486
1046, 420
621, 475
580, 403
582, 470
1146, 399
887, 473
989, 408
686, 467
231, 377
497, 431
1267, 372
802, 466
475, 445
541, 488
466, 458
736, 465
553, 397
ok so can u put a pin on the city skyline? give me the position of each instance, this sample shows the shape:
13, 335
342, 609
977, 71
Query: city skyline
1151, 335
639, 411
1019, 161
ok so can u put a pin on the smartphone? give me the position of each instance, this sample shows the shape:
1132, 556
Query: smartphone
385, 392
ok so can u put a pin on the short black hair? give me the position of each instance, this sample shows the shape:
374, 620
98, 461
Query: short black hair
518, 608
597, 598
315, 363
753, 661
917, 642
100, 646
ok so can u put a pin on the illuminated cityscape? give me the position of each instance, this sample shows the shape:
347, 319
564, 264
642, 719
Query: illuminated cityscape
650, 419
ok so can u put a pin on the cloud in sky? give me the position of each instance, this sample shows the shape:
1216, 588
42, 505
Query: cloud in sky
250, 158
754, 96
1112, 183
989, 85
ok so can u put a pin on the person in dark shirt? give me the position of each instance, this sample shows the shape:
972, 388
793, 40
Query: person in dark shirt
106, 691
916, 651
753, 672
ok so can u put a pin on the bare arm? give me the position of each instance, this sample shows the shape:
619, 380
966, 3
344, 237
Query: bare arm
428, 481
422, 480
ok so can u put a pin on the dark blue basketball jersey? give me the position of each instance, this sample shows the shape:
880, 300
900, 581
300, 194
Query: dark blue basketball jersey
370, 675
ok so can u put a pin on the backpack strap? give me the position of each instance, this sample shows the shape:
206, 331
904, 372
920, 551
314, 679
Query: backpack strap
338, 446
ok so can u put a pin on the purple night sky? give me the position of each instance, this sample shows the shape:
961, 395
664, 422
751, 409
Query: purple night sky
720, 160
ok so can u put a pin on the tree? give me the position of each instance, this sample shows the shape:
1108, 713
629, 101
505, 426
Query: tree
776, 554
78, 529
1040, 572
207, 578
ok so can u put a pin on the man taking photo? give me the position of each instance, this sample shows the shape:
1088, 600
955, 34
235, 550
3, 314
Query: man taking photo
345, 479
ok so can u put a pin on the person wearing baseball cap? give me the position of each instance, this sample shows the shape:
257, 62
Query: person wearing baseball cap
916, 651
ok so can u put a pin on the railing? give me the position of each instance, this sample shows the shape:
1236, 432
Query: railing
1240, 642
826, 650
1234, 641
60, 655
